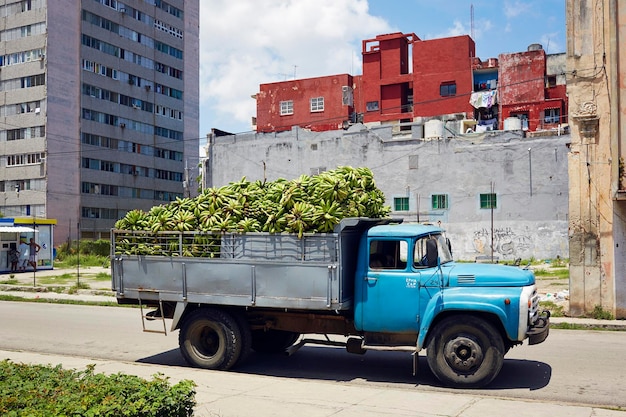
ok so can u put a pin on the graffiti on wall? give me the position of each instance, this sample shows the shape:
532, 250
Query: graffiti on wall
506, 242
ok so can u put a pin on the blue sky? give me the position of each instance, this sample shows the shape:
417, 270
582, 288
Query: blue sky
245, 43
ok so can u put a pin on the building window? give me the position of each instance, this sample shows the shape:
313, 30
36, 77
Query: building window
447, 89
552, 116
317, 104
440, 201
286, 107
488, 201
371, 106
401, 203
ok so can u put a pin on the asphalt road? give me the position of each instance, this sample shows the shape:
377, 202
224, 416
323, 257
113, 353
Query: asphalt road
571, 367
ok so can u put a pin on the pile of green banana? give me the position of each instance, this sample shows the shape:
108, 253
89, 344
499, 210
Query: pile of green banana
308, 204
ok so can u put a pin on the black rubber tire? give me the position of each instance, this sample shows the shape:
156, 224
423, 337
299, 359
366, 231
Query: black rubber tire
272, 341
210, 339
246, 337
465, 352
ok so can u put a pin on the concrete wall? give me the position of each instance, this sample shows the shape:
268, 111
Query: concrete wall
596, 95
529, 177
63, 117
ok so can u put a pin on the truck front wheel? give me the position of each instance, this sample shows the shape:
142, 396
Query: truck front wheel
465, 351
211, 339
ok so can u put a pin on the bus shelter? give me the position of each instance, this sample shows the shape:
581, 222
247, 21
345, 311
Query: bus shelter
18, 229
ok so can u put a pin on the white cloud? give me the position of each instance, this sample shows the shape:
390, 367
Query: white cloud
245, 43
516, 8
457, 29
550, 43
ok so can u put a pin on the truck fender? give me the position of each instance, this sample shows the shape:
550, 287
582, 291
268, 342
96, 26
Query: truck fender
178, 313
462, 305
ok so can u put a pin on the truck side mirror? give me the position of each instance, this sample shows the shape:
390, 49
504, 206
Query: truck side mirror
432, 252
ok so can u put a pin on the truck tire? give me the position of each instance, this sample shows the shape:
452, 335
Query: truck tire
465, 351
272, 341
246, 338
210, 339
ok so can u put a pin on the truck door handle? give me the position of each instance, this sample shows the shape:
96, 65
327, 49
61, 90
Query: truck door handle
371, 279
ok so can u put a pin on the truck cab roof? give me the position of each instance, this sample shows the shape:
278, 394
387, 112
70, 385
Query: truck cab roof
403, 230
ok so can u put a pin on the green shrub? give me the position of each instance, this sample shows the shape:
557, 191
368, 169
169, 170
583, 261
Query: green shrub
601, 314
100, 247
38, 390
85, 260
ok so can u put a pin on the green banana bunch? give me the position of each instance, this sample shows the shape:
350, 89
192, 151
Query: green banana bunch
307, 204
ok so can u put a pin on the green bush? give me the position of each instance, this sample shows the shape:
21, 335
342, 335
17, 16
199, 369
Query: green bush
84, 260
601, 314
100, 247
43, 390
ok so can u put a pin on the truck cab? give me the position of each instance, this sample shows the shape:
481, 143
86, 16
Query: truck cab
409, 290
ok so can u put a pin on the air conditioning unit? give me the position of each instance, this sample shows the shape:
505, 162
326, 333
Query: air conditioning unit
135, 106
148, 88
122, 10
122, 125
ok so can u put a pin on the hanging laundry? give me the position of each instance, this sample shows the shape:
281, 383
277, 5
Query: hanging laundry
483, 99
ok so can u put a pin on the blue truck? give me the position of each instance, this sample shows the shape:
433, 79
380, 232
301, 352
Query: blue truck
379, 284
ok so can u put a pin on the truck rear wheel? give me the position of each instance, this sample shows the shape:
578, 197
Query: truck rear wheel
465, 351
210, 339
272, 341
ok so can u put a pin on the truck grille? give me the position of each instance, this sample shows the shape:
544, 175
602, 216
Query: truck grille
466, 279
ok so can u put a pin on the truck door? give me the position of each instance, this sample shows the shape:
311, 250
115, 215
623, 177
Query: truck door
390, 299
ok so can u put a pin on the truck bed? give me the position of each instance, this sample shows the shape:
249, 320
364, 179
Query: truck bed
315, 272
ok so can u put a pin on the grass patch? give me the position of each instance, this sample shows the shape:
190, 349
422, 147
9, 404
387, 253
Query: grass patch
4, 297
78, 286
57, 279
559, 273
555, 309
11, 281
82, 260
601, 314
102, 276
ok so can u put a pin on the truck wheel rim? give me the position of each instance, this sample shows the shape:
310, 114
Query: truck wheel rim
207, 341
463, 354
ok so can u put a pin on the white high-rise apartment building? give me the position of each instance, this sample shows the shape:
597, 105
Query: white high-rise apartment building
98, 109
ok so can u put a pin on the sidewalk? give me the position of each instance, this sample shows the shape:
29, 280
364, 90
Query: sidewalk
232, 394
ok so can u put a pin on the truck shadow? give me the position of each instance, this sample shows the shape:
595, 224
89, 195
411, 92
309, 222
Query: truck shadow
335, 364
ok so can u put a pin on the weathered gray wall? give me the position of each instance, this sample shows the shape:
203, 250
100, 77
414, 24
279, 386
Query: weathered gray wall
529, 176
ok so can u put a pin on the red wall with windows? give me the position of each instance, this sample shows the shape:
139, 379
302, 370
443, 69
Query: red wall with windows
444, 61
336, 110
523, 91
403, 78
386, 81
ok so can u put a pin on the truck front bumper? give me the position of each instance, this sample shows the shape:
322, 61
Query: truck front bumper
539, 331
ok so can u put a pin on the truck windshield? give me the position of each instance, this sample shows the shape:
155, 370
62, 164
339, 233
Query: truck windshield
421, 251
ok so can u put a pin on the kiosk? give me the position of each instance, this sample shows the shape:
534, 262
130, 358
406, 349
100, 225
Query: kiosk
13, 230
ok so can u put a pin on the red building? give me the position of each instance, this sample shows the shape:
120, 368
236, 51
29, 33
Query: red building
529, 93
405, 78
323, 103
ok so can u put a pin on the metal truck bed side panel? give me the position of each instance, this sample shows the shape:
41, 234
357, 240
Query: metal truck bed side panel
312, 272
292, 285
